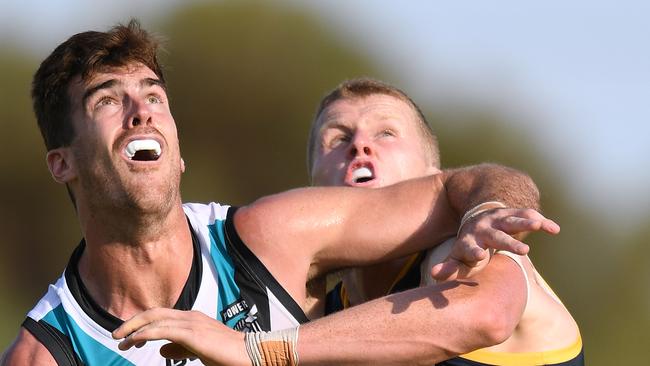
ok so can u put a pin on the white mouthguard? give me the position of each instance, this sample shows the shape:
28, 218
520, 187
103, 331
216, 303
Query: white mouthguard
362, 172
139, 145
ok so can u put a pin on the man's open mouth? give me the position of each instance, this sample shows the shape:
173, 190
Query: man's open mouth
143, 150
362, 175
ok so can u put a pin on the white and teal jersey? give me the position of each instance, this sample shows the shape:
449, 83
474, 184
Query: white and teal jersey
227, 282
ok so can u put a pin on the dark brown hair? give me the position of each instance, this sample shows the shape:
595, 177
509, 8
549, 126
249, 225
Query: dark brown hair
85, 54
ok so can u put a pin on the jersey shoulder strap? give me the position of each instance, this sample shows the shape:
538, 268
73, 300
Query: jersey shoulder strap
56, 342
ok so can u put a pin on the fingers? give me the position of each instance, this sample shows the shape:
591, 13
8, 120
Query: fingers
499, 240
452, 269
466, 258
514, 224
519, 221
155, 324
490, 230
550, 227
192, 335
467, 250
494, 229
140, 320
165, 329
447, 270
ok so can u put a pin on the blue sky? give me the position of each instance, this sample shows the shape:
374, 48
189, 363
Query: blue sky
574, 75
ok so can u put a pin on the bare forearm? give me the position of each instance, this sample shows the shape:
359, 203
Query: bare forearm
378, 332
420, 326
416, 327
469, 186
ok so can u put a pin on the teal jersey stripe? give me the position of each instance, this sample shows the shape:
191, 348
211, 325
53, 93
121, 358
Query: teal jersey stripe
228, 290
90, 351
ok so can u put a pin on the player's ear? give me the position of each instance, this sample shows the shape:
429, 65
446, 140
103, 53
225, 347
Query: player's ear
182, 165
61, 166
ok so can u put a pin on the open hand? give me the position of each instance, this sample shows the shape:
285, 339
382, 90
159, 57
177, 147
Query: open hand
192, 333
491, 230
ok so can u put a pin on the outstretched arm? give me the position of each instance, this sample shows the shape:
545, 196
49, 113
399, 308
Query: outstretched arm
306, 232
420, 326
310, 231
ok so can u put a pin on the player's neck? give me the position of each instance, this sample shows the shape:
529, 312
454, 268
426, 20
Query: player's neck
131, 274
128, 224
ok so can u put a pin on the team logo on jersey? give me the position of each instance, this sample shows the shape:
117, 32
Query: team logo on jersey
247, 316
176, 362
249, 323
233, 310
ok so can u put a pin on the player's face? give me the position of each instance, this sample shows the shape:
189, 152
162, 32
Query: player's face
125, 150
372, 141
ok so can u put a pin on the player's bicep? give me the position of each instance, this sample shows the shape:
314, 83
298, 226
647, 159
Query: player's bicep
334, 227
301, 226
27, 350
501, 296
273, 227
273, 233
396, 221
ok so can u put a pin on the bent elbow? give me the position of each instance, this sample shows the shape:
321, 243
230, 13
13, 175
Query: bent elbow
495, 326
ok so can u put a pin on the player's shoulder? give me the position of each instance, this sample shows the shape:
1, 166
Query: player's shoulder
27, 350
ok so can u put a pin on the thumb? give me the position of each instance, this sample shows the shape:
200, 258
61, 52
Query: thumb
447, 270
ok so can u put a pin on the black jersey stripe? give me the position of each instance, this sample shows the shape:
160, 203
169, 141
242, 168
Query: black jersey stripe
56, 342
107, 320
257, 270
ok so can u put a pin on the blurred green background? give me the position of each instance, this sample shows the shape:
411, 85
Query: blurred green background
245, 79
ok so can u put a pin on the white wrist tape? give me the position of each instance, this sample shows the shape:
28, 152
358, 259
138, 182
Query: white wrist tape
477, 210
278, 348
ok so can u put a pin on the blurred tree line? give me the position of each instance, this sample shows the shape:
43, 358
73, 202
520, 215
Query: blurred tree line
245, 79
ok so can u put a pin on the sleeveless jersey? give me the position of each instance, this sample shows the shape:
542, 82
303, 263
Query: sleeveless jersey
226, 282
411, 275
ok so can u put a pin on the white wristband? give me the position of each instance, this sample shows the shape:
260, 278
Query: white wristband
477, 210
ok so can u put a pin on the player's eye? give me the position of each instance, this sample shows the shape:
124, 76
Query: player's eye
153, 99
338, 139
387, 132
106, 100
